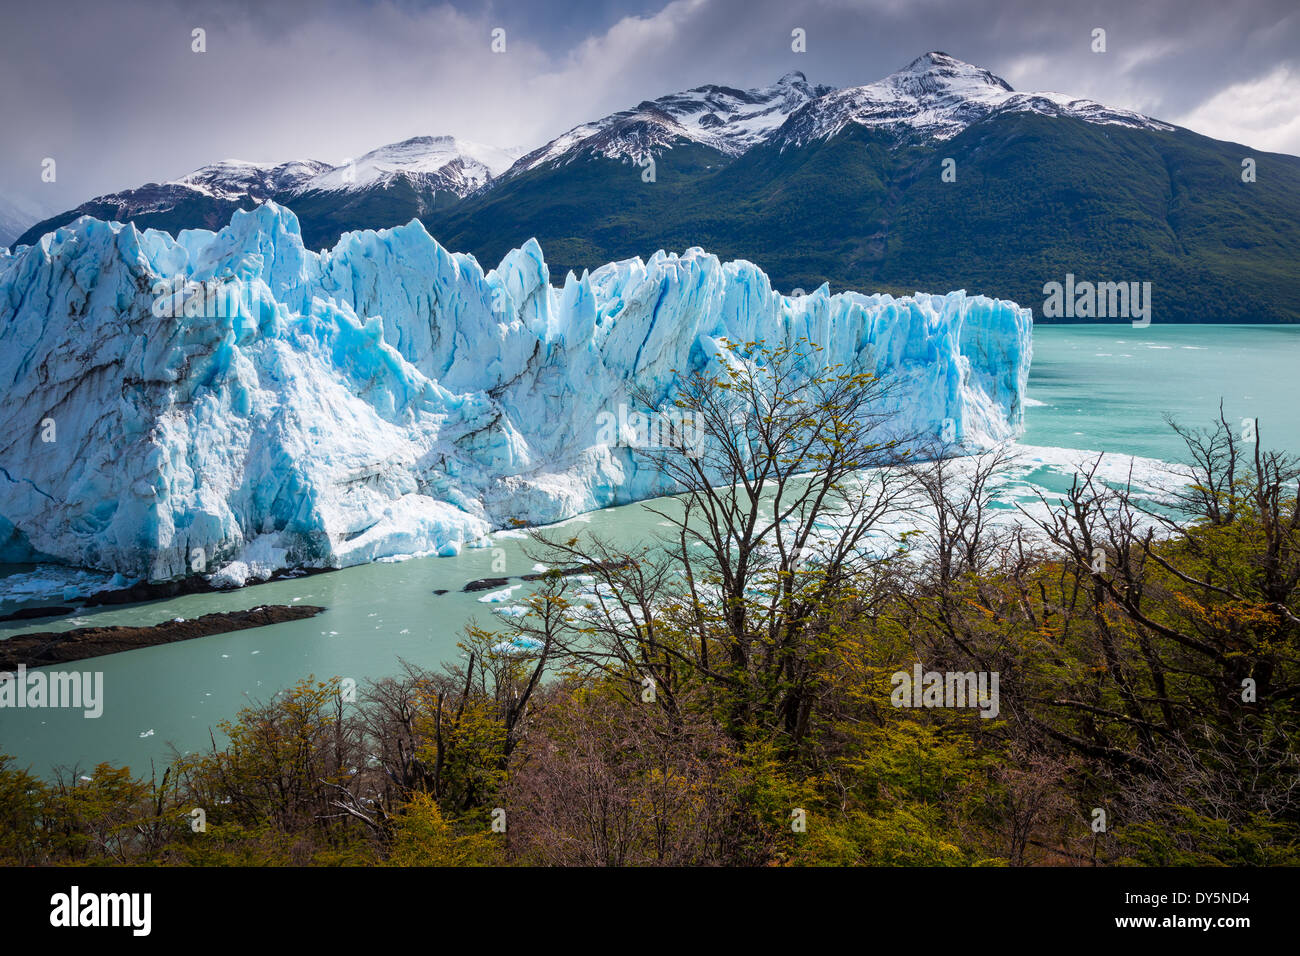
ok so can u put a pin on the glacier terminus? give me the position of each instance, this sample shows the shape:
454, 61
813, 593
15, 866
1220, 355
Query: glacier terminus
389, 398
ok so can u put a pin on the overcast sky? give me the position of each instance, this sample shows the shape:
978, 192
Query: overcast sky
114, 93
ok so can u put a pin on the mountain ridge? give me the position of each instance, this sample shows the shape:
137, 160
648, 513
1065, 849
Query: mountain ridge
938, 175
935, 95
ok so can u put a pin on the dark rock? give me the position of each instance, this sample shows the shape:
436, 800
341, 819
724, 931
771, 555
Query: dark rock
483, 584
60, 647
157, 590
28, 613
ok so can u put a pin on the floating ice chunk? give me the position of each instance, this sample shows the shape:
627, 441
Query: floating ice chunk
495, 597
518, 645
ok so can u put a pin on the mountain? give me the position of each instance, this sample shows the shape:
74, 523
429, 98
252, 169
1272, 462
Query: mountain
285, 408
850, 190
723, 119
235, 179
934, 98
394, 184
847, 186
16, 215
204, 199
429, 162
411, 176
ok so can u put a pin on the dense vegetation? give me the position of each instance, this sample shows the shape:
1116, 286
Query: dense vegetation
727, 696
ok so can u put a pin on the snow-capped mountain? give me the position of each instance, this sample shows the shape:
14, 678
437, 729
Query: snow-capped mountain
935, 97
816, 185
230, 180
435, 162
234, 178
284, 408
729, 120
431, 162
205, 198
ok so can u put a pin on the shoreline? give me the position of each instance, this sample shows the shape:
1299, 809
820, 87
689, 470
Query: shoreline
144, 592
44, 648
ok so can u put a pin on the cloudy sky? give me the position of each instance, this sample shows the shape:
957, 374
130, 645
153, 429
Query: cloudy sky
115, 94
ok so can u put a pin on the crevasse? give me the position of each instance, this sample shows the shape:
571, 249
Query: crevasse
389, 398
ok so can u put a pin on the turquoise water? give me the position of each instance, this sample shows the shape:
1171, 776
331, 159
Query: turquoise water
1100, 387
1108, 387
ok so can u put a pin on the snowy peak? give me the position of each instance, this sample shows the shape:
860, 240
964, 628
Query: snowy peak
235, 178
215, 186
205, 196
438, 162
938, 73
229, 181
724, 118
935, 97
443, 162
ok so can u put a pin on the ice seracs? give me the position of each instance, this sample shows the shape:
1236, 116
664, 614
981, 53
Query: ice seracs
388, 397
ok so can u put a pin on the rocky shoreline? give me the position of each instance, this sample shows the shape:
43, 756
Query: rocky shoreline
62, 647
143, 591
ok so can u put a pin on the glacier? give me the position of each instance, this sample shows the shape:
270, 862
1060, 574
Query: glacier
389, 398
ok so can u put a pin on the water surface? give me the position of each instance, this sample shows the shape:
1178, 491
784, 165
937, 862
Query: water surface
1092, 387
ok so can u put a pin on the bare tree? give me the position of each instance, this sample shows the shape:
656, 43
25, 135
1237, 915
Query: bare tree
779, 496
1193, 623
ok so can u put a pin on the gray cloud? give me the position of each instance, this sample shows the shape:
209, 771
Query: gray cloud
116, 96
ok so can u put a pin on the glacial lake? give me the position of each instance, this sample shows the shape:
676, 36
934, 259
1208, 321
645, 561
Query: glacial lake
1104, 388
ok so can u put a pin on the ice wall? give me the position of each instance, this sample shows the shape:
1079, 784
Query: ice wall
388, 397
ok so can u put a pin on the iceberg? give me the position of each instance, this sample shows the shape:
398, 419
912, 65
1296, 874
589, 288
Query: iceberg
231, 404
